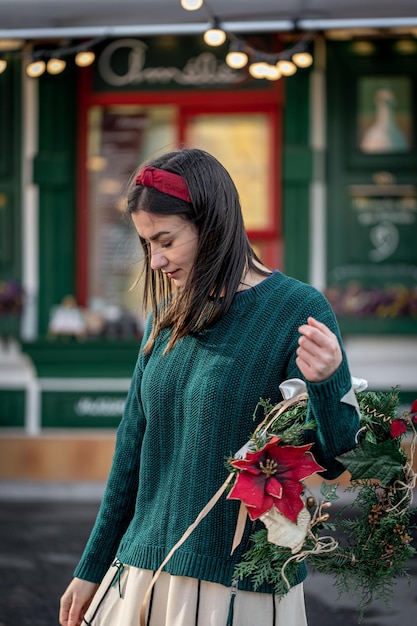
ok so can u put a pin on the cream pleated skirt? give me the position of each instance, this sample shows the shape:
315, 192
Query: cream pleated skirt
181, 601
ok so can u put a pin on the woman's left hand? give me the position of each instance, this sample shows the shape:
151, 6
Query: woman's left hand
318, 353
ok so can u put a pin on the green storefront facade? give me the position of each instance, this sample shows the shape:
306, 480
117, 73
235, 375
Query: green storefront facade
340, 213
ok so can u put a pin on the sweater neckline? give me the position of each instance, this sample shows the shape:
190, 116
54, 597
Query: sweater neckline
252, 293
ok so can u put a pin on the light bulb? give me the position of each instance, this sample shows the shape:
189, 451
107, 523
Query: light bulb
214, 37
287, 68
259, 69
236, 59
55, 66
272, 72
191, 5
302, 59
83, 59
3, 65
36, 68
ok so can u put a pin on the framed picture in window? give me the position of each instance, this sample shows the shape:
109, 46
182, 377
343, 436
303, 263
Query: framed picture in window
384, 117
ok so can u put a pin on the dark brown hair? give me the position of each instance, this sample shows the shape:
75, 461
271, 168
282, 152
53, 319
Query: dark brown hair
223, 254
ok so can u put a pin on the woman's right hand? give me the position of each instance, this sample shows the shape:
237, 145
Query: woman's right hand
75, 601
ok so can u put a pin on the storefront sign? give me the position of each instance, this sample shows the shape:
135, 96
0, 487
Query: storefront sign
76, 409
104, 406
126, 62
162, 63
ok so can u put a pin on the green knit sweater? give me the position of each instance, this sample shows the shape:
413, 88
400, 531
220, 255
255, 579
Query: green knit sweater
190, 409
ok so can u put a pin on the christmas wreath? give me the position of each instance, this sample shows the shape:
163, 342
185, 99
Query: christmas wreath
374, 532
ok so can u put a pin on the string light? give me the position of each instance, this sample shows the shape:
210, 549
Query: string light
215, 36
85, 58
302, 59
237, 57
55, 65
272, 72
191, 5
260, 64
53, 61
287, 68
36, 68
236, 60
269, 65
258, 69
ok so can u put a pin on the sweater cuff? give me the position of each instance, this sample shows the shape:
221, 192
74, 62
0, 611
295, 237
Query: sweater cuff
92, 572
338, 385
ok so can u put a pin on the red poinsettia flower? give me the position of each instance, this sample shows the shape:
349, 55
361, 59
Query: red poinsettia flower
272, 476
398, 428
414, 407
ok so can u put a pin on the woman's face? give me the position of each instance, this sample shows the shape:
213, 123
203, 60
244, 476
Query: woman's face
172, 243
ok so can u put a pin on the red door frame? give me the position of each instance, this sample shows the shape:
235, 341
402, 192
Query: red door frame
189, 103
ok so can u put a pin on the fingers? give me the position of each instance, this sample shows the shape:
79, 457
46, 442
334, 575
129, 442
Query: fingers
70, 613
319, 354
75, 602
316, 330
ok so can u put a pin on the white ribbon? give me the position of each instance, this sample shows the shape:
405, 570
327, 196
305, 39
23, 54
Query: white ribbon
294, 386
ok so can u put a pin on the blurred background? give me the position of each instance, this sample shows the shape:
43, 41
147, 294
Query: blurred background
43, 530
310, 104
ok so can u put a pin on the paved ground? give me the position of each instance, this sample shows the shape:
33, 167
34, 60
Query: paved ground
43, 531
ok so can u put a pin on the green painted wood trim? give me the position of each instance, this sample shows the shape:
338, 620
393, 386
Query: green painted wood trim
53, 169
54, 172
10, 172
297, 171
12, 411
296, 231
69, 358
375, 326
297, 164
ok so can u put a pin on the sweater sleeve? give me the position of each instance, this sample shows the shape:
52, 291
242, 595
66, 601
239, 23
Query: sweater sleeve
118, 504
337, 421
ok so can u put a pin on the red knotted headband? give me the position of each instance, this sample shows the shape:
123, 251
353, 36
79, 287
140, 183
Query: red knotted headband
161, 180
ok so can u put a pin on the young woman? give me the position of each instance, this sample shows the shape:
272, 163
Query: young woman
224, 332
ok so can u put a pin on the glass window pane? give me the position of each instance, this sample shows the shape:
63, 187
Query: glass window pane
119, 139
241, 142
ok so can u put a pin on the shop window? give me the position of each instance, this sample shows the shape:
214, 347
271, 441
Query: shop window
119, 138
247, 144
372, 218
232, 138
